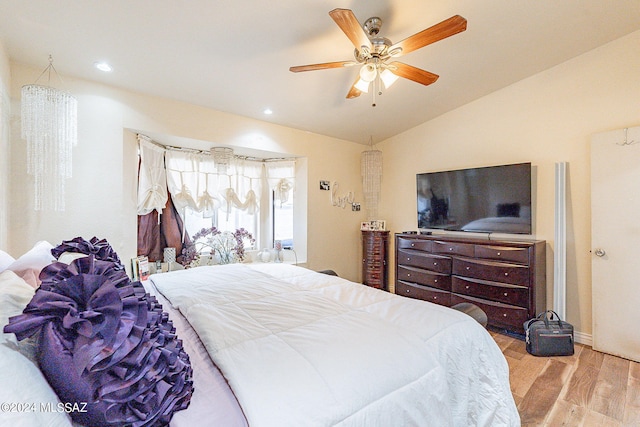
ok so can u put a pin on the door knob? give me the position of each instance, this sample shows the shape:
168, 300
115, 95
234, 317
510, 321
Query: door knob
600, 252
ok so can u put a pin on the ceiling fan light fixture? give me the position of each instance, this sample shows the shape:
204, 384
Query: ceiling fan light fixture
368, 72
388, 78
362, 85
373, 52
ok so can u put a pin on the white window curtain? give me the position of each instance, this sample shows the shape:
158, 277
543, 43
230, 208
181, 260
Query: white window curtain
194, 182
182, 179
281, 178
243, 186
152, 182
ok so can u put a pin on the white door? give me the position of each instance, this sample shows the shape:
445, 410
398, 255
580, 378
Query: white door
615, 242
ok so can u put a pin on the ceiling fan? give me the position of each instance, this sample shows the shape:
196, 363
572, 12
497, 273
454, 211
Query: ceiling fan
375, 53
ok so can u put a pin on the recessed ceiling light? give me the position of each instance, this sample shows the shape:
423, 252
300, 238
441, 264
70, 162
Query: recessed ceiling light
103, 66
268, 111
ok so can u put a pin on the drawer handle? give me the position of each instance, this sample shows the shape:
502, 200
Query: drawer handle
413, 244
408, 290
498, 254
506, 294
468, 268
435, 263
467, 287
408, 274
435, 297
435, 280
408, 259
504, 314
506, 274
450, 249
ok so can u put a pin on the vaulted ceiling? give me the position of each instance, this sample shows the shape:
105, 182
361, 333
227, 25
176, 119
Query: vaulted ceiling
234, 56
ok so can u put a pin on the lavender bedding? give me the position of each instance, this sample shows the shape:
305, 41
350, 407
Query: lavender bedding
213, 404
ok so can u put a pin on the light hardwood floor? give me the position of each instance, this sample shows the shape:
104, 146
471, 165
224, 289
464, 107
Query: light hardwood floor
587, 389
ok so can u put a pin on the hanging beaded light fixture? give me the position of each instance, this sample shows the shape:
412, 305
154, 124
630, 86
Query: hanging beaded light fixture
222, 158
49, 125
371, 171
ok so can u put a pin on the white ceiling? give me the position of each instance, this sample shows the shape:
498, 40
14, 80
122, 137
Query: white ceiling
234, 56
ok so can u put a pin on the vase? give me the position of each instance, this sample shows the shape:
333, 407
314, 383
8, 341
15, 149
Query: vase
264, 255
225, 258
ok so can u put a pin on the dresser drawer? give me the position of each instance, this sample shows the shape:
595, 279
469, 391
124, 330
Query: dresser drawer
501, 292
498, 314
437, 263
491, 270
453, 248
422, 292
503, 253
423, 245
424, 277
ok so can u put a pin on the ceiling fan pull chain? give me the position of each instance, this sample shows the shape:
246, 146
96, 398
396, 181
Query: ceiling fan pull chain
374, 89
373, 94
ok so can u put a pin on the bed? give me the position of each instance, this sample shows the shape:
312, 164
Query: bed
281, 345
302, 348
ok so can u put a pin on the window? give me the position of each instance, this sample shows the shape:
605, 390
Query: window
234, 198
205, 195
282, 220
196, 221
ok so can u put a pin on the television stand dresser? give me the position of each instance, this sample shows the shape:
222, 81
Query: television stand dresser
505, 278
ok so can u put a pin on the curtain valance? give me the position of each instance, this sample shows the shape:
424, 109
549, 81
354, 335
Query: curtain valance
194, 181
281, 178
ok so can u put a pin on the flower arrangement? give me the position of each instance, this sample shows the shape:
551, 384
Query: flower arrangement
227, 246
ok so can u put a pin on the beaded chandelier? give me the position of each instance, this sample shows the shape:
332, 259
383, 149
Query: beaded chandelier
49, 125
371, 171
222, 157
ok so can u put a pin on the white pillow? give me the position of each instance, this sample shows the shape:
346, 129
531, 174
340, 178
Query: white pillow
18, 366
28, 266
5, 260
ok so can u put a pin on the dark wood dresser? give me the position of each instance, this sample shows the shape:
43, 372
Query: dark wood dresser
375, 246
506, 279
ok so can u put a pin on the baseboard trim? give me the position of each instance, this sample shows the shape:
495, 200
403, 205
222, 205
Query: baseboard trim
582, 338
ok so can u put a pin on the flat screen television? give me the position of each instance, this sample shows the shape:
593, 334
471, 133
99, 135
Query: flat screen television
495, 199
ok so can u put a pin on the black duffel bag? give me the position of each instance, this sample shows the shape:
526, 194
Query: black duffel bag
548, 335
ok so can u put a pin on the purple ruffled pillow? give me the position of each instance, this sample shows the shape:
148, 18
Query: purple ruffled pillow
103, 341
98, 247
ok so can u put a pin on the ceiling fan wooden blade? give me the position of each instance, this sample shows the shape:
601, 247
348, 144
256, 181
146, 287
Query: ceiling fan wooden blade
454, 25
349, 25
412, 73
354, 92
323, 66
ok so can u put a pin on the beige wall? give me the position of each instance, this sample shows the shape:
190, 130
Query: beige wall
101, 193
544, 119
5, 114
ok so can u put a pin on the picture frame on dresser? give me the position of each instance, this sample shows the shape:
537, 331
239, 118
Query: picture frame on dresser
373, 225
505, 278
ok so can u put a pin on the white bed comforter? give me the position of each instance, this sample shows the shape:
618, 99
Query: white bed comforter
300, 348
